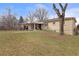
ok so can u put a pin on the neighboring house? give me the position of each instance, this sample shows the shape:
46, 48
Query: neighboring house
69, 25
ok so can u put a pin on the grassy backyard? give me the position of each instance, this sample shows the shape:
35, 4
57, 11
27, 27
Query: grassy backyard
37, 43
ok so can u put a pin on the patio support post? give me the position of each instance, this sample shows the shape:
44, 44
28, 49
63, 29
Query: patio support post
34, 26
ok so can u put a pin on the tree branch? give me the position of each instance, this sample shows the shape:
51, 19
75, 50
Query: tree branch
61, 6
65, 6
56, 10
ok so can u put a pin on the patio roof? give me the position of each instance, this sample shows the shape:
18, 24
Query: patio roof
32, 23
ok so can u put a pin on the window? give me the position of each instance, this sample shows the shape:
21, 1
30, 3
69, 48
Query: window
53, 22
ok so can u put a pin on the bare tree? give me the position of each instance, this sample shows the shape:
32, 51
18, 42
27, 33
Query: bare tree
41, 14
30, 17
9, 20
61, 15
14, 23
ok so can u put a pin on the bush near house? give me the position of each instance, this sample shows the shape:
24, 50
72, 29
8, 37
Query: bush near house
78, 28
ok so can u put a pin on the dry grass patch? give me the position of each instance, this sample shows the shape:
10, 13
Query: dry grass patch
37, 43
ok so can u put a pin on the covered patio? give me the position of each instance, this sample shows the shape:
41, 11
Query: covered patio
32, 26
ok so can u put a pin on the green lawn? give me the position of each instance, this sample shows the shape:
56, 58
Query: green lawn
37, 43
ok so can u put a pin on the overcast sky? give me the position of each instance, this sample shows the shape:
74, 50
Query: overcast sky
21, 9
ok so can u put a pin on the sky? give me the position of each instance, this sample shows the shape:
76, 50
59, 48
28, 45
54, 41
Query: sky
22, 9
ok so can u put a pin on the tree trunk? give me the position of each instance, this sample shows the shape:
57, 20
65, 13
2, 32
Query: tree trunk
62, 25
